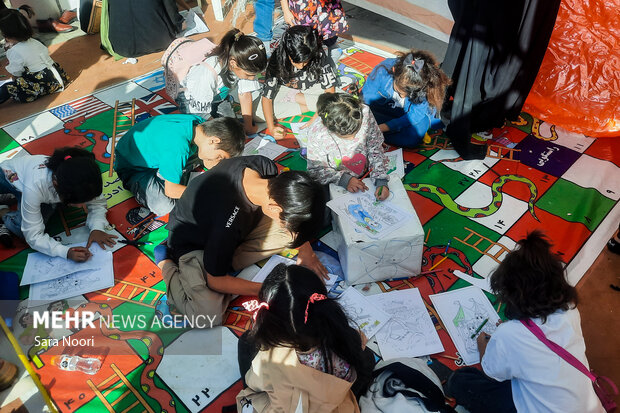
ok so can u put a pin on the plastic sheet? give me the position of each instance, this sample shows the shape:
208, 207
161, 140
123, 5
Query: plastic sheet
578, 84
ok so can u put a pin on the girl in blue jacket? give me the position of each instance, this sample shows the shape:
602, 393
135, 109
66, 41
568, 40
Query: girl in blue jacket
406, 94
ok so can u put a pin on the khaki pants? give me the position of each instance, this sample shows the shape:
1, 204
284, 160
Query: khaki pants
186, 284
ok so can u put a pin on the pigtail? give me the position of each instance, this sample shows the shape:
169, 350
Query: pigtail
76, 175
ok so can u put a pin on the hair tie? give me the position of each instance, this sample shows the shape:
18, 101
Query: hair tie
261, 47
67, 157
254, 305
253, 57
238, 35
313, 299
325, 115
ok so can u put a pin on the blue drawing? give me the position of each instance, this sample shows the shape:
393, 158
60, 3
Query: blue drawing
363, 218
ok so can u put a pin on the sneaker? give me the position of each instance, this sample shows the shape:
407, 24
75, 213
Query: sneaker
8, 374
5, 237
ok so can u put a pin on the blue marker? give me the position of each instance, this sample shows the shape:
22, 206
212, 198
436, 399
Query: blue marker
447, 246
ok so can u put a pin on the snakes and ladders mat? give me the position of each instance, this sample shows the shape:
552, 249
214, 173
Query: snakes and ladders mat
535, 176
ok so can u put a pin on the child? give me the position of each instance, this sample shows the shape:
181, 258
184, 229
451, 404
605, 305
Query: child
36, 74
297, 73
327, 16
70, 176
345, 144
233, 65
405, 94
155, 157
520, 373
263, 22
308, 352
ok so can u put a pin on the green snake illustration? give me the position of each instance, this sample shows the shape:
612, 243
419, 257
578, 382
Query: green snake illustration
496, 202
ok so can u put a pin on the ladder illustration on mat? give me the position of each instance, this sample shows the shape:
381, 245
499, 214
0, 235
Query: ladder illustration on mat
438, 142
122, 123
234, 319
128, 291
476, 245
72, 217
108, 386
502, 152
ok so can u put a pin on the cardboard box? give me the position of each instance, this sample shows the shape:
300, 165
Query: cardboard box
398, 254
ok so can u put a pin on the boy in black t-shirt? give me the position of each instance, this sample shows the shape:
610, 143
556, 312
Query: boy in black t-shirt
242, 211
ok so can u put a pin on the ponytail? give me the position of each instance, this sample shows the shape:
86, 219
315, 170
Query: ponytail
248, 51
76, 175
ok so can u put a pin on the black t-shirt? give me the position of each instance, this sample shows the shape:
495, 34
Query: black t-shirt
215, 214
302, 79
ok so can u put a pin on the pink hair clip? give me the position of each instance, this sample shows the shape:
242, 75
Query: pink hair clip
67, 157
313, 299
254, 305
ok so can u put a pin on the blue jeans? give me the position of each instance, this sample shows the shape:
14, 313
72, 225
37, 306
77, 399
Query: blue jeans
407, 137
263, 19
479, 393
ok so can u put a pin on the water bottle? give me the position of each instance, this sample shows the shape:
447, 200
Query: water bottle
88, 365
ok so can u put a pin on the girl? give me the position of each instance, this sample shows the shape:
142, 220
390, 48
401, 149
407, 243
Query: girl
520, 373
345, 144
327, 16
406, 94
297, 73
70, 176
233, 65
308, 353
36, 74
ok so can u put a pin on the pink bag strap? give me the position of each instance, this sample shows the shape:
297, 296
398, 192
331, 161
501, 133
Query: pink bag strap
560, 351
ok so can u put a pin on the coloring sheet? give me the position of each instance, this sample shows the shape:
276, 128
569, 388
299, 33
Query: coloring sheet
77, 283
410, 332
367, 316
262, 146
484, 283
462, 312
396, 165
41, 267
372, 218
278, 259
300, 134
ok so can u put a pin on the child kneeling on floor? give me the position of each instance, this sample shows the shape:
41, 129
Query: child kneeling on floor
36, 74
345, 144
302, 349
519, 372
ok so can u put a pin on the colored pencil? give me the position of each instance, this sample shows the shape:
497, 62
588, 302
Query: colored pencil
428, 234
438, 262
479, 328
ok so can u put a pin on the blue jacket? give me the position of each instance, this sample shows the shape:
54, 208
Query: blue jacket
377, 93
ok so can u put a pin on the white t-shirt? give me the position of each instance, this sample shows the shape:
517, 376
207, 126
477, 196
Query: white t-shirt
203, 86
541, 381
31, 55
30, 176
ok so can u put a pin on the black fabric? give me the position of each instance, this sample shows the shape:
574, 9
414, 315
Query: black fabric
86, 7
418, 384
140, 27
215, 214
493, 57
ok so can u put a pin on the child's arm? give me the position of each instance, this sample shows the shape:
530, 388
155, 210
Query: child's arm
33, 227
16, 63
286, 11
97, 223
277, 130
416, 116
173, 190
377, 160
245, 99
232, 285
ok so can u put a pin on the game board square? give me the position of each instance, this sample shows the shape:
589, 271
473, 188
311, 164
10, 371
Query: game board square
546, 156
607, 149
494, 256
589, 172
113, 190
153, 81
123, 92
33, 127
473, 169
86, 107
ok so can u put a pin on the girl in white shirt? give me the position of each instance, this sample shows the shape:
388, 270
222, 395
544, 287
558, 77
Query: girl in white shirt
35, 73
230, 69
519, 372
70, 176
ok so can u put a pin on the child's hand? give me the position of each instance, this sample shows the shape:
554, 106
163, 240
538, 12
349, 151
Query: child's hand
288, 17
101, 238
79, 254
278, 132
356, 185
250, 129
382, 193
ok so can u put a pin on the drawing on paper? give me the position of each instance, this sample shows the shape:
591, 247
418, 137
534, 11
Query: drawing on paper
363, 218
368, 317
410, 332
41, 267
463, 311
262, 146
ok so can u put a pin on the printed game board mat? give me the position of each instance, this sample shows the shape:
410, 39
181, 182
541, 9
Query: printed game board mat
535, 176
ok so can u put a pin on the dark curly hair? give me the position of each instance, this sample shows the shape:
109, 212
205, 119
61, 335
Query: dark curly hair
531, 281
302, 44
341, 113
14, 25
428, 83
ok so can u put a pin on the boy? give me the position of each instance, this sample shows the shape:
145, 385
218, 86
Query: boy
154, 158
239, 213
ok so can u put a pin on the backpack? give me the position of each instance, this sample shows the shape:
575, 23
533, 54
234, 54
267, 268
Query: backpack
179, 57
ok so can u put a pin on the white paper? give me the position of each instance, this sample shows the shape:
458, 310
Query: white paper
367, 316
374, 219
462, 311
78, 283
194, 23
410, 332
300, 134
40, 267
269, 265
484, 283
396, 165
260, 146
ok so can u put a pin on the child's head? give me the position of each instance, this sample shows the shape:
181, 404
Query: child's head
218, 139
75, 175
298, 204
531, 282
287, 291
341, 113
300, 47
14, 26
417, 76
244, 55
